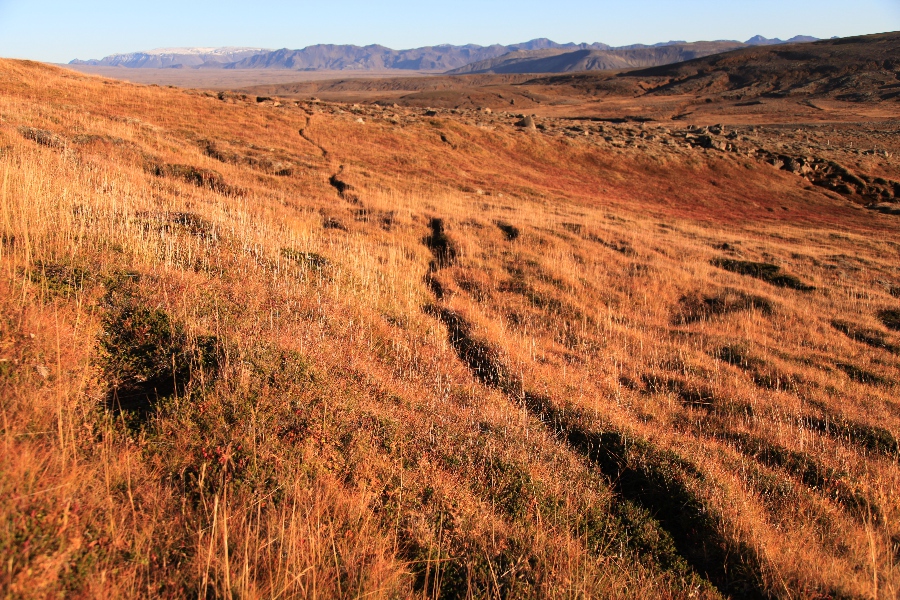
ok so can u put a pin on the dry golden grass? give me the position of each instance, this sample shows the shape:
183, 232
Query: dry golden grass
225, 383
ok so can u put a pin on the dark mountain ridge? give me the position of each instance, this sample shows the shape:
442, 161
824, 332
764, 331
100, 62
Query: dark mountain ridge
440, 58
862, 68
563, 61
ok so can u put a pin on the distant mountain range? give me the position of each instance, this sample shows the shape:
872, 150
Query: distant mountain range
565, 61
536, 56
169, 58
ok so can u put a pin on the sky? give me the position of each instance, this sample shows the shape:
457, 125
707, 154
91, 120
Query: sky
61, 30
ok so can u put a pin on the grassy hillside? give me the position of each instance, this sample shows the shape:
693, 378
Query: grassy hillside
258, 350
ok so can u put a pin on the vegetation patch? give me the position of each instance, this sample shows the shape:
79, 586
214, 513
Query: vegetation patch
511, 232
60, 279
695, 307
442, 247
512, 488
696, 396
622, 247
861, 375
509, 569
332, 223
194, 224
147, 356
180, 222
765, 271
657, 481
437, 574
275, 167
763, 375
739, 356
542, 301
870, 337
42, 137
310, 260
867, 437
344, 189
481, 358
807, 470
384, 218
202, 178
891, 319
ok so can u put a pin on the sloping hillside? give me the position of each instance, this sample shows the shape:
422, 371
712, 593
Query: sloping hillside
256, 348
557, 61
864, 68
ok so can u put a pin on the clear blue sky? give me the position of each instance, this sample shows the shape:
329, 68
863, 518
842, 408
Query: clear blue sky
60, 30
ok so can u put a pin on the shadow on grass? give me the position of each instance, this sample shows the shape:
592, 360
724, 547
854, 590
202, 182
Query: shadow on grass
765, 271
147, 355
653, 480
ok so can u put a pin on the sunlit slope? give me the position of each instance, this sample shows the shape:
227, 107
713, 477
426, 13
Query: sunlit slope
258, 349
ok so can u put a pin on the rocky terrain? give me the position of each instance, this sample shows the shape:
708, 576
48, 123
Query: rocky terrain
857, 161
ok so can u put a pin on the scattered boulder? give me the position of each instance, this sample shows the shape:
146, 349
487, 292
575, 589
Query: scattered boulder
527, 123
706, 141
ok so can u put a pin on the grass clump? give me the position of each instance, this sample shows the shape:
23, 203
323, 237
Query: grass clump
310, 260
511, 232
60, 278
860, 375
868, 437
767, 272
869, 337
42, 137
696, 307
442, 247
891, 319
197, 176
812, 474
147, 356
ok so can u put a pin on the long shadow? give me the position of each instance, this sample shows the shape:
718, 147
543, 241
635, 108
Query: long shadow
654, 480
814, 475
444, 252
